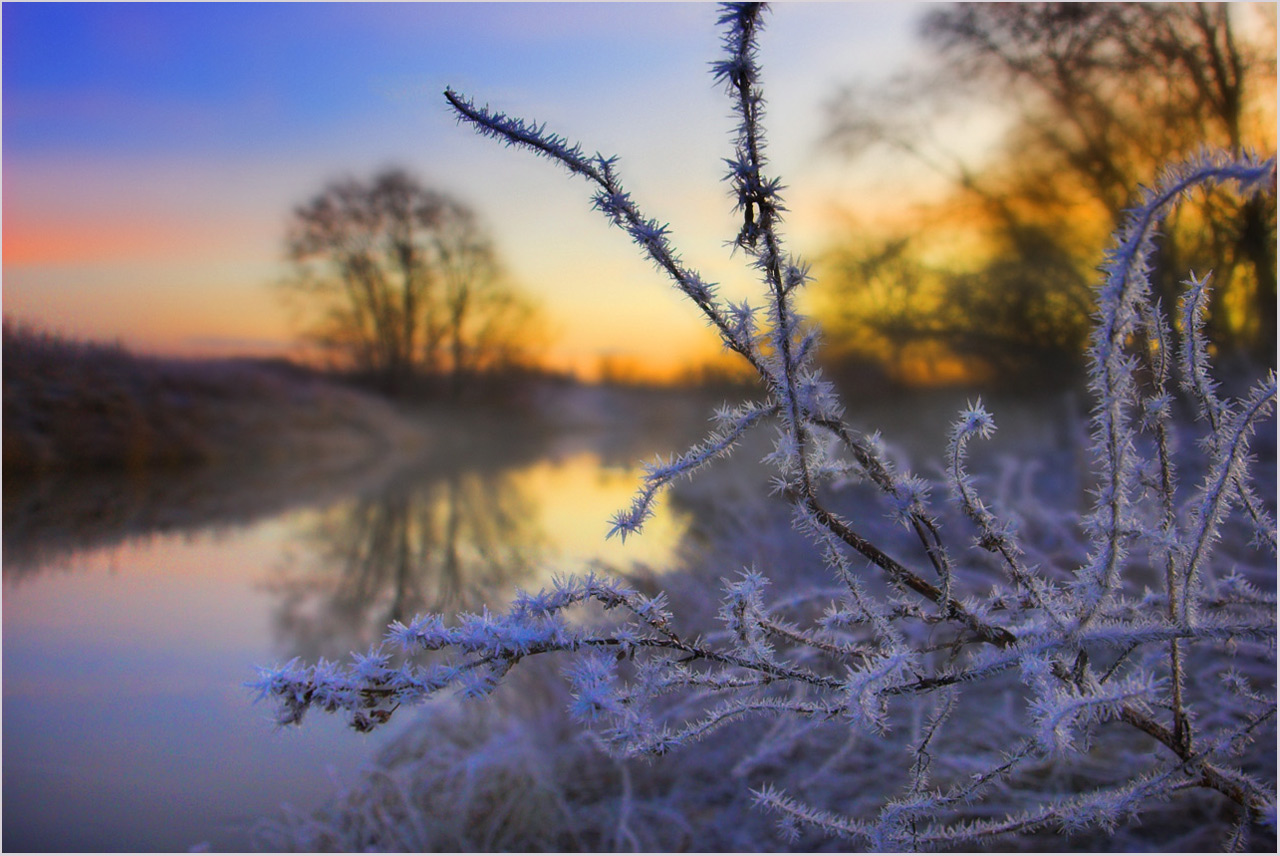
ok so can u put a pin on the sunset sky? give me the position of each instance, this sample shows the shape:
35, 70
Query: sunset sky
153, 152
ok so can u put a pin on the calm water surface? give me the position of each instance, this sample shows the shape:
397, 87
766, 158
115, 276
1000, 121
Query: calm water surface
135, 611
130, 629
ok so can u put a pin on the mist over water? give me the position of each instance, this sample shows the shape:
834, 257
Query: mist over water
135, 608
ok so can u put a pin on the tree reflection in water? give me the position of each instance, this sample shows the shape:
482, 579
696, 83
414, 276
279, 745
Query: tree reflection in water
427, 542
353, 542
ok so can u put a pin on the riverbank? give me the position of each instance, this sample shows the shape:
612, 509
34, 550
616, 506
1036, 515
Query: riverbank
102, 446
73, 406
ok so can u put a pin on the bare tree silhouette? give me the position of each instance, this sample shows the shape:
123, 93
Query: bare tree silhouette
401, 281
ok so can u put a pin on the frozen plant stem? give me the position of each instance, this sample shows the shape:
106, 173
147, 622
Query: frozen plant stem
1094, 655
805, 399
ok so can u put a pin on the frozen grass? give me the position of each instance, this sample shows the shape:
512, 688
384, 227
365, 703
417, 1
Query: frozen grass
515, 773
74, 406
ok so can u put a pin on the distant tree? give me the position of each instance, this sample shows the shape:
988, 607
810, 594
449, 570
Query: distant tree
1102, 95
405, 281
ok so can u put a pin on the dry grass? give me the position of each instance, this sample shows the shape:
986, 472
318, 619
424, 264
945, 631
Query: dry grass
72, 406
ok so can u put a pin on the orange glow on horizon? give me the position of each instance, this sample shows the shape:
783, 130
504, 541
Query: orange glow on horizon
207, 337
69, 241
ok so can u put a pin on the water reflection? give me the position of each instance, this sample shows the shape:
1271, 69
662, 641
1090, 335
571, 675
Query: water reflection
48, 521
134, 610
126, 726
438, 542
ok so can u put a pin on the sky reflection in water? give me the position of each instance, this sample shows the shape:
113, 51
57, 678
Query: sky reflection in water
126, 725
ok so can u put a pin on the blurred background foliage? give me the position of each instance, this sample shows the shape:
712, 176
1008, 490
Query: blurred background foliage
992, 280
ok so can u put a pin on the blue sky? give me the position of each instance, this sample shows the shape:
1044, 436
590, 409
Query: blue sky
152, 152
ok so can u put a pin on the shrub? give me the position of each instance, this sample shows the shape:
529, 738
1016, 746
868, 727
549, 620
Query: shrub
1032, 688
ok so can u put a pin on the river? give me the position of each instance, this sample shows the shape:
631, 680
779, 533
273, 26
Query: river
135, 609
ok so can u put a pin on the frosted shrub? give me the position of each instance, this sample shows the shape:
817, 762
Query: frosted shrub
1091, 692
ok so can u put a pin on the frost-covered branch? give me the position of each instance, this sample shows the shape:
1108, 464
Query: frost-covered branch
913, 638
